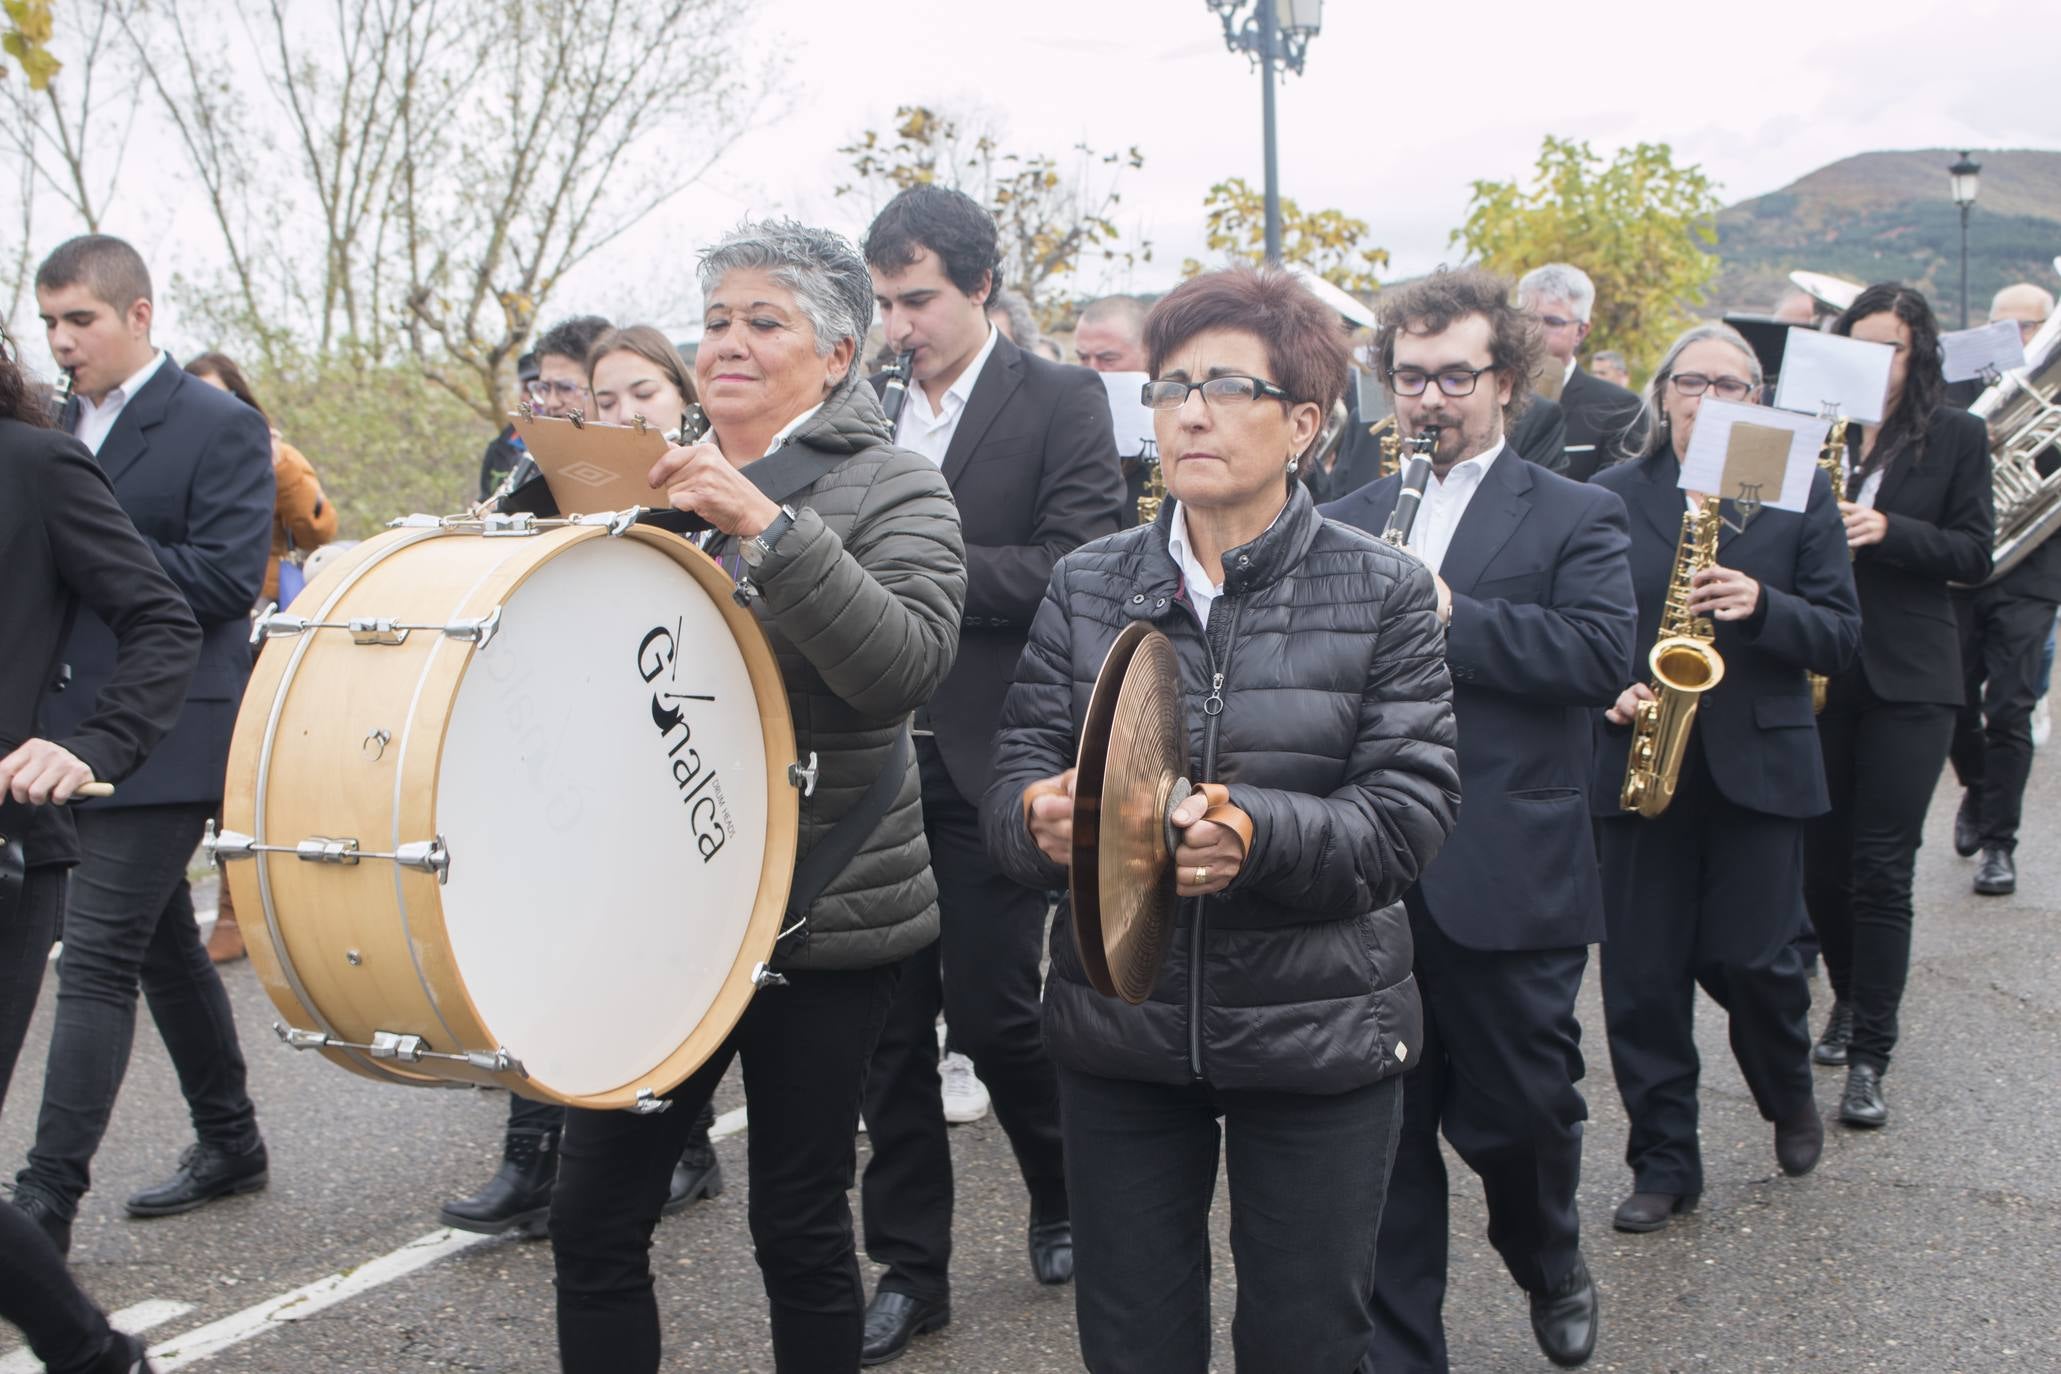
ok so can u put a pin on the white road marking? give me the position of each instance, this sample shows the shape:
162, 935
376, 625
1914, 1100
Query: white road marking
141, 1317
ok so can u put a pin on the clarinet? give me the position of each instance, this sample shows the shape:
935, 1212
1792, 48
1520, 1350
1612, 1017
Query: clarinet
1416, 476
61, 394
899, 374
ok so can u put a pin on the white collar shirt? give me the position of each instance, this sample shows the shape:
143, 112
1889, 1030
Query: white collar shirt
1202, 593
95, 421
928, 431
787, 430
1445, 502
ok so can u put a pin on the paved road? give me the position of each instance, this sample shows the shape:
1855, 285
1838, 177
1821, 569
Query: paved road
1931, 1247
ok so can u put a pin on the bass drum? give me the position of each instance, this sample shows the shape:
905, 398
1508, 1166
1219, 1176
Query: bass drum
515, 809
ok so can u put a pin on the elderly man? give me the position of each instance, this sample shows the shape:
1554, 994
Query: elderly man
2025, 305
1562, 297
1111, 335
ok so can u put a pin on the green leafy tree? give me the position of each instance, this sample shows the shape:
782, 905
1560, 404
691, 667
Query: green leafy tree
1644, 229
1330, 243
1053, 215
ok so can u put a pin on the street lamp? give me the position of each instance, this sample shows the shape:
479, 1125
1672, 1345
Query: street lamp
1962, 180
1275, 32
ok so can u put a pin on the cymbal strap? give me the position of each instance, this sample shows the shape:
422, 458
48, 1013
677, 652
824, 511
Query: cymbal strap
1223, 813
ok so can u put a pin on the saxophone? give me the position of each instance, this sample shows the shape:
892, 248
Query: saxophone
1831, 458
1154, 495
1684, 665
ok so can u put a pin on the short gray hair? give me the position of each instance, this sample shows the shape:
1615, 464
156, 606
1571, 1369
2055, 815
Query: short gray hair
1559, 281
1645, 435
1023, 326
828, 277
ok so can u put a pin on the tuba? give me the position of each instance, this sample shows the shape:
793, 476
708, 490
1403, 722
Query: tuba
2023, 412
1684, 665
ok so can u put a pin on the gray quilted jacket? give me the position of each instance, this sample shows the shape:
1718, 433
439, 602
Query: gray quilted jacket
861, 601
1320, 695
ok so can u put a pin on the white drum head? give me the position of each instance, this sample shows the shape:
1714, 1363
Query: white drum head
603, 793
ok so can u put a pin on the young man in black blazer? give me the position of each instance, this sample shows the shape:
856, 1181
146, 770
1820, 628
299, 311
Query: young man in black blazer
192, 467
1533, 581
1599, 413
1030, 452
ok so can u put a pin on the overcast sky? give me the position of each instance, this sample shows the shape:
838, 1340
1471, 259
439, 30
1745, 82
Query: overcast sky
1401, 106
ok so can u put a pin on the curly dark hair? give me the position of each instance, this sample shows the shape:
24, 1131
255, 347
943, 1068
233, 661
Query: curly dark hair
1306, 348
1430, 305
950, 224
573, 338
20, 398
1924, 375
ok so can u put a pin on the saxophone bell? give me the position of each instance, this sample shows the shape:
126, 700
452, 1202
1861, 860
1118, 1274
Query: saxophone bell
1685, 665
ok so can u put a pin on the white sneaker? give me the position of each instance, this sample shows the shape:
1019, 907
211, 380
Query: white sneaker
2042, 723
966, 1099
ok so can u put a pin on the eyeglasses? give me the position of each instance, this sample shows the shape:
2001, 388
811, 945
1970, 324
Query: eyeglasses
1454, 381
1727, 388
1171, 395
566, 391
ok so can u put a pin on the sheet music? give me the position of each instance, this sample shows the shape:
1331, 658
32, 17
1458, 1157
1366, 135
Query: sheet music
1132, 417
1849, 375
1753, 453
1971, 353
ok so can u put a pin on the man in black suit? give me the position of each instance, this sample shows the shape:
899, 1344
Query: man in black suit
1533, 581
192, 466
1562, 297
1030, 453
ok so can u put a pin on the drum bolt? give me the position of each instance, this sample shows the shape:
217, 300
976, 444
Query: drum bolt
648, 1103
353, 958
763, 977
375, 743
803, 775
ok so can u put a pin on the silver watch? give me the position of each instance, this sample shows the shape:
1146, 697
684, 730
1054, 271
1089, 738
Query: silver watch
761, 544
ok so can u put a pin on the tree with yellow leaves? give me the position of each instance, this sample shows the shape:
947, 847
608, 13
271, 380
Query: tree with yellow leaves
26, 39
1327, 242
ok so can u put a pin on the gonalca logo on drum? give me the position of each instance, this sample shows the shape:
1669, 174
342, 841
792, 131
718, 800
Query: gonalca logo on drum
701, 791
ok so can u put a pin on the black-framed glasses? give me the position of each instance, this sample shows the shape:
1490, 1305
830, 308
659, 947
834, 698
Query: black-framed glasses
1727, 388
1454, 381
1172, 395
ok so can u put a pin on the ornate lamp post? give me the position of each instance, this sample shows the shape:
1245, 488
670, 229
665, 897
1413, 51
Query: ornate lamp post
1962, 179
1274, 32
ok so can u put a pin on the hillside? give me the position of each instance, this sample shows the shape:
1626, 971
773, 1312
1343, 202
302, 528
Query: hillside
1887, 216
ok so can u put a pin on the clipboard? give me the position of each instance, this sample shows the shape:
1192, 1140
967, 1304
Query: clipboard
591, 467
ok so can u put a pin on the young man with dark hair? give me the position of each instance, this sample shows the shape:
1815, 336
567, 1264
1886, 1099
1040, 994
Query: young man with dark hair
1534, 581
1030, 453
192, 467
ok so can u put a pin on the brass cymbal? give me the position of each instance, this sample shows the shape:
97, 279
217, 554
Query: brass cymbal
1127, 779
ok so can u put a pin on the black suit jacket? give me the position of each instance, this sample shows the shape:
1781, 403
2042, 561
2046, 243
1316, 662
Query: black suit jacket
1540, 434
1541, 635
1598, 415
1034, 469
1755, 727
64, 542
1942, 520
192, 467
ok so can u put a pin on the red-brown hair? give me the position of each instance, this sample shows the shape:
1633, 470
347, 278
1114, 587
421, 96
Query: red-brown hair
1304, 338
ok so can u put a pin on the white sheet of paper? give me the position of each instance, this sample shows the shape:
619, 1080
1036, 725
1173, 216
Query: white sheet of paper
1132, 417
1967, 352
1704, 467
1850, 375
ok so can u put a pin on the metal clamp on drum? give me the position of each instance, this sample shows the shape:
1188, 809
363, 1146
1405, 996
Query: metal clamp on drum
803, 775
272, 623
424, 856
393, 1046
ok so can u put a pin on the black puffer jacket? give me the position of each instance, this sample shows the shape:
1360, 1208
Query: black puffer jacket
1331, 720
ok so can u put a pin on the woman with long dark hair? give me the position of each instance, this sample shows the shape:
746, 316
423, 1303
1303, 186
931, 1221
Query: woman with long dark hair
1919, 517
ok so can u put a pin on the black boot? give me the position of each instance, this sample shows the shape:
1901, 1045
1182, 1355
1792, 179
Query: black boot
1831, 1047
699, 1173
518, 1196
124, 1355
1997, 875
1968, 825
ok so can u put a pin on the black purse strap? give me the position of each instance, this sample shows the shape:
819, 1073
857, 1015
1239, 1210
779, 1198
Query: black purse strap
835, 851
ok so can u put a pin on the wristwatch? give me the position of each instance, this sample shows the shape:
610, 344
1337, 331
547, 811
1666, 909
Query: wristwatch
763, 543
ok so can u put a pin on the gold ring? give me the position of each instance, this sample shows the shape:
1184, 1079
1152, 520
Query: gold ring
1201, 875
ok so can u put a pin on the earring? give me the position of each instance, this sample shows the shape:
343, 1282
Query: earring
1293, 459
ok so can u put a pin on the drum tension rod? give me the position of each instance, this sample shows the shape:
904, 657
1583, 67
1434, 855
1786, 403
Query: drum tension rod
424, 856
803, 775
407, 1049
274, 624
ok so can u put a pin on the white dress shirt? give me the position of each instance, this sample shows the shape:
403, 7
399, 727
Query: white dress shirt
1202, 593
1445, 501
929, 432
96, 420
787, 430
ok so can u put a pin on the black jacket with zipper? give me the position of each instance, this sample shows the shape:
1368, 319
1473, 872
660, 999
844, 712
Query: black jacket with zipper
1320, 696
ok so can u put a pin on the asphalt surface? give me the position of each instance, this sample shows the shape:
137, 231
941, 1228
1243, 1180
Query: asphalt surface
1933, 1246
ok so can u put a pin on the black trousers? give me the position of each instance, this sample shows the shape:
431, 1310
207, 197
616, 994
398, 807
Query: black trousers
2003, 636
1308, 1174
984, 974
64, 1329
1882, 762
1497, 1071
129, 922
804, 1049
26, 934
1706, 893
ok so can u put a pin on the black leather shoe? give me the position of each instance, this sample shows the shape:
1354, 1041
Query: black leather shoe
1799, 1141
1565, 1319
124, 1355
204, 1174
1643, 1212
1861, 1104
43, 1212
894, 1319
1831, 1047
1051, 1251
1968, 825
1997, 874
518, 1196
699, 1174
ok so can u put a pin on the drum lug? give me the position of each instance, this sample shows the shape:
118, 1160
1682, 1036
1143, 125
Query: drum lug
220, 846
320, 849
417, 522
386, 632
497, 1061
426, 856
272, 623
803, 775
298, 1039
764, 977
498, 526
649, 1103
480, 631
390, 1045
